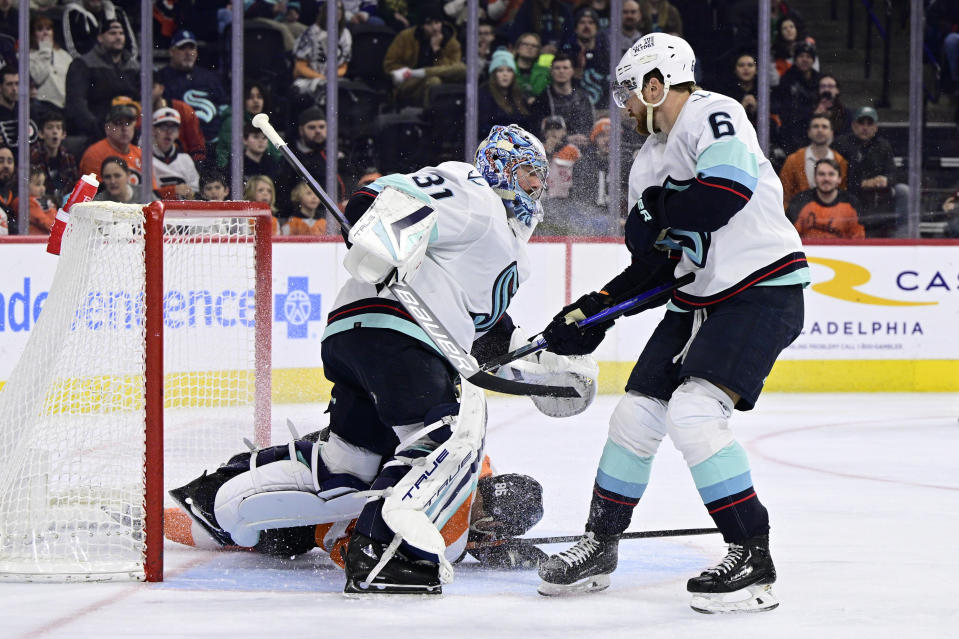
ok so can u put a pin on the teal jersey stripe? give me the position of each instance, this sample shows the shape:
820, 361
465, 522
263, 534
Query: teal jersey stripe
732, 173
725, 488
730, 462
800, 277
731, 153
379, 320
622, 471
401, 183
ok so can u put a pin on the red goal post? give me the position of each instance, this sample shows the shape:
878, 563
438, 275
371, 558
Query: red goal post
149, 363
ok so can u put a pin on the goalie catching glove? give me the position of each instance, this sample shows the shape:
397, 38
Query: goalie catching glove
544, 367
393, 233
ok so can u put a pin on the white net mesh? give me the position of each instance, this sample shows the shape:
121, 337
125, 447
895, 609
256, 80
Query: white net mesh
72, 415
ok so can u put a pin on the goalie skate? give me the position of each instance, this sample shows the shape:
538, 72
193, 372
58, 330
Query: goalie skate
399, 576
741, 582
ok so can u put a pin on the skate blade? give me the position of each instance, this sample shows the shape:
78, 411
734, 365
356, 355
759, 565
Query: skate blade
596, 583
356, 587
757, 598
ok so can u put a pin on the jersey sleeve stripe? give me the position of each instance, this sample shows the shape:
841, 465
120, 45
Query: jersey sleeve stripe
725, 188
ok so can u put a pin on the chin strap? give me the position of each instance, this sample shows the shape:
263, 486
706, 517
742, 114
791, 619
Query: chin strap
651, 107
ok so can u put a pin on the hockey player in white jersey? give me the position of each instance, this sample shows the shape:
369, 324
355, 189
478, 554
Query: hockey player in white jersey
703, 199
405, 448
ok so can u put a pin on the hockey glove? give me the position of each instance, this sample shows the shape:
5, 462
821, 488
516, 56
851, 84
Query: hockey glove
510, 556
646, 224
562, 335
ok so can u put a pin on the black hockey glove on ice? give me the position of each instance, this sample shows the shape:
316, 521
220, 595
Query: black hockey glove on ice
510, 556
562, 335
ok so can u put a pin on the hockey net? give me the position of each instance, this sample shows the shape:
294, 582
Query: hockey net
149, 362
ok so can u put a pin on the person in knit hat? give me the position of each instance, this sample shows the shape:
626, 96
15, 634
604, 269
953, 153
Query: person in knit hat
501, 100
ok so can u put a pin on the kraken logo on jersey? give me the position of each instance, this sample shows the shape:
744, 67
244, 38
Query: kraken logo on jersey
695, 244
504, 288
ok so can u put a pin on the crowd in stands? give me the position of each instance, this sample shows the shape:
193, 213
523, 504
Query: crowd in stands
401, 67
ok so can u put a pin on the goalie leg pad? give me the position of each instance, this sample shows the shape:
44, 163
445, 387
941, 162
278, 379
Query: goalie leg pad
276, 493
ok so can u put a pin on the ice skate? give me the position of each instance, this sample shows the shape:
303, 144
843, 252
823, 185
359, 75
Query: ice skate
741, 582
400, 575
583, 568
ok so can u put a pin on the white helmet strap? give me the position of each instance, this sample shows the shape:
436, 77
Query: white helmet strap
650, 107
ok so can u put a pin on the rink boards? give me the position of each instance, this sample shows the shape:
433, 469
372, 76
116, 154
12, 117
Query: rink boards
879, 317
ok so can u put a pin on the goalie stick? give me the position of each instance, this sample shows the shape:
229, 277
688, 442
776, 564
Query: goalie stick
641, 534
607, 315
424, 317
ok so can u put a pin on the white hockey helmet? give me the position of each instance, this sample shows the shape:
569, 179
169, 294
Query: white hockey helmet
670, 54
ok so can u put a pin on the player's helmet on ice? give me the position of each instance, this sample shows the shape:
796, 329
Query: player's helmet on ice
499, 158
513, 502
670, 54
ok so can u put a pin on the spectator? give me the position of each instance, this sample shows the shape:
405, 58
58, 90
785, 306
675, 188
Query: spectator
269, 14
831, 105
661, 16
47, 154
784, 43
256, 161
213, 186
562, 157
115, 182
501, 101
191, 138
118, 142
551, 19
291, 17
797, 95
98, 76
566, 99
256, 99
10, 108
798, 173
9, 19
591, 214
589, 50
43, 211
424, 56
306, 217
310, 147
260, 188
362, 12
309, 72
83, 21
826, 211
8, 191
630, 25
503, 12
601, 7
394, 14
485, 41
198, 87
872, 167
48, 62
531, 76
174, 170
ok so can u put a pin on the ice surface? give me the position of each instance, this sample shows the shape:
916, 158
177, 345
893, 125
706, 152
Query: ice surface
863, 493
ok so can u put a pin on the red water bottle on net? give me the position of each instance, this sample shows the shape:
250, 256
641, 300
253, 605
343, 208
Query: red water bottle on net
84, 190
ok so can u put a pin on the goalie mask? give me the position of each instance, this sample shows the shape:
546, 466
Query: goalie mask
499, 158
514, 503
670, 55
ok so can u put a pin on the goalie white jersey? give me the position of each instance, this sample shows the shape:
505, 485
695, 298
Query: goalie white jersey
474, 262
713, 154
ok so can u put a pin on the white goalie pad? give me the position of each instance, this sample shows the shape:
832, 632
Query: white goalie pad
280, 495
393, 233
418, 506
543, 367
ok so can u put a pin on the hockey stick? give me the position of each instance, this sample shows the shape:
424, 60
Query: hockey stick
422, 314
536, 541
607, 315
